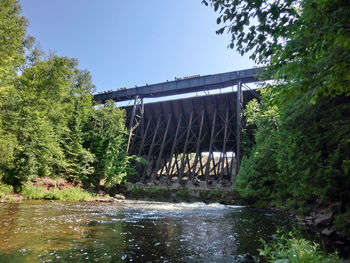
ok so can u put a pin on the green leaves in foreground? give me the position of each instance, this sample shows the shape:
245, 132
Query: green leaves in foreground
289, 248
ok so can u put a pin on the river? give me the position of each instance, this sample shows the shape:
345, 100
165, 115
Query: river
133, 231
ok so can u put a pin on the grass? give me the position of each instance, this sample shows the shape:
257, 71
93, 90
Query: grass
73, 193
5, 190
289, 248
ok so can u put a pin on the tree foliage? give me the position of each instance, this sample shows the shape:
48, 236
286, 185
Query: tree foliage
48, 125
301, 135
259, 166
301, 151
306, 43
106, 139
12, 41
259, 26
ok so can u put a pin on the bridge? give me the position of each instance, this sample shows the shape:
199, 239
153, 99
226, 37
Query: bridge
187, 141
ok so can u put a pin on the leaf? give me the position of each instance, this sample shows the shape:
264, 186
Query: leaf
220, 31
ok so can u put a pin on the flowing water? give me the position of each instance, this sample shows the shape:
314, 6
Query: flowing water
133, 231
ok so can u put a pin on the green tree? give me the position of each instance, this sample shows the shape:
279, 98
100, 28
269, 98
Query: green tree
79, 160
12, 48
48, 125
306, 43
313, 154
52, 103
302, 135
258, 172
12, 42
106, 139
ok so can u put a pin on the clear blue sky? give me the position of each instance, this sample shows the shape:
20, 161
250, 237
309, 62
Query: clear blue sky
124, 43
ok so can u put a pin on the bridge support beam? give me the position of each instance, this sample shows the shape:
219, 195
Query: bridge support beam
195, 141
136, 119
239, 104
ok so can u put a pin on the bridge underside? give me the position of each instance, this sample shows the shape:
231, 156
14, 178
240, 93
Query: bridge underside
190, 140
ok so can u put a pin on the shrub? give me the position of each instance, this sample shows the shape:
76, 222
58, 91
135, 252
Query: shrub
342, 222
5, 189
38, 192
74, 193
289, 248
32, 192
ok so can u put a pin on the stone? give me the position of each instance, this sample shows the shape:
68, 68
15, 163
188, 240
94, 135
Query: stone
328, 231
104, 200
323, 220
119, 197
309, 220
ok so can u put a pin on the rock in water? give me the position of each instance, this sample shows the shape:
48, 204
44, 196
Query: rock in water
323, 220
328, 231
119, 197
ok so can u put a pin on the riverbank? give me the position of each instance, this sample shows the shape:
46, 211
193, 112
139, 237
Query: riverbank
60, 189
319, 219
51, 189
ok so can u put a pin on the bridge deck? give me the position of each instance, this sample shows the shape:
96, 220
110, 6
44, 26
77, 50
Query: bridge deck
181, 86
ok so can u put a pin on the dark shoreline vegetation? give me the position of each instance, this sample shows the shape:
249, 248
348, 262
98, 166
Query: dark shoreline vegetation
296, 145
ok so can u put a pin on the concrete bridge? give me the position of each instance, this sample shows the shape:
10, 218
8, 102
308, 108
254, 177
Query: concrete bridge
193, 141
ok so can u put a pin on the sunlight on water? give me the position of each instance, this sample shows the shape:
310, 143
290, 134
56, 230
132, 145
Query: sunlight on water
132, 231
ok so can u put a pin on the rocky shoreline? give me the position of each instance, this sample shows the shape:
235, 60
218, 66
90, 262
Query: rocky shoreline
323, 222
320, 221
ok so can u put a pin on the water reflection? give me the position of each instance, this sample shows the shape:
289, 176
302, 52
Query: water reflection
134, 231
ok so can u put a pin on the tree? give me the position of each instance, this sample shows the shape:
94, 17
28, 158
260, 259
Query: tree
78, 159
106, 139
12, 48
306, 43
303, 155
48, 125
51, 102
12, 41
257, 175
260, 26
